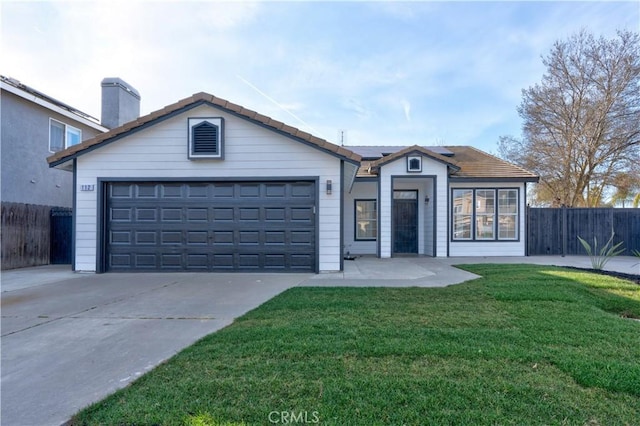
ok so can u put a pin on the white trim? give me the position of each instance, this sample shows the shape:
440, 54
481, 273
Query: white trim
218, 122
39, 101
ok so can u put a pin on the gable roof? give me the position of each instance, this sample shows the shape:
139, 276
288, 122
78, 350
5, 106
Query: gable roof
464, 163
415, 149
191, 102
374, 152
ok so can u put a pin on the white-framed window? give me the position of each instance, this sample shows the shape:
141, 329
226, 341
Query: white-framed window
462, 214
366, 220
62, 136
507, 214
485, 214
206, 136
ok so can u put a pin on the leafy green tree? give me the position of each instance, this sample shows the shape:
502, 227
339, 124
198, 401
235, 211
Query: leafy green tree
581, 123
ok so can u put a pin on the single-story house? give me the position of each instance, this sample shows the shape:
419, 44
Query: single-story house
205, 184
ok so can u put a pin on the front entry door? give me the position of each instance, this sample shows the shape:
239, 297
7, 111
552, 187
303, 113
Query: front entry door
405, 222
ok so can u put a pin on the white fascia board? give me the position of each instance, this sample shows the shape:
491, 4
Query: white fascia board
39, 101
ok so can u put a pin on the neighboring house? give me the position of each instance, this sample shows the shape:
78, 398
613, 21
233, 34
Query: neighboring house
34, 126
205, 184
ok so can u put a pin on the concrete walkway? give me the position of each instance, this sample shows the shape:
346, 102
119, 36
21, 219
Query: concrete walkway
368, 271
419, 271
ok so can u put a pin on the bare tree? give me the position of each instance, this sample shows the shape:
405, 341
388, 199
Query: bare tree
581, 124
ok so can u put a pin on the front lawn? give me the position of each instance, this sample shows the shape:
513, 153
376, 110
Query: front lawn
525, 344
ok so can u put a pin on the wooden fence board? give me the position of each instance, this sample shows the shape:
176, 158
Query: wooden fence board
555, 231
25, 235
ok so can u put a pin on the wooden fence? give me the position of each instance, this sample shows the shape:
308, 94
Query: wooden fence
35, 235
555, 231
25, 235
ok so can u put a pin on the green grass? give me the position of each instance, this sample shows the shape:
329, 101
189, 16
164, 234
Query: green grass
524, 344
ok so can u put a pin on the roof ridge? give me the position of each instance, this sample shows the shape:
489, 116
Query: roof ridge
412, 148
193, 101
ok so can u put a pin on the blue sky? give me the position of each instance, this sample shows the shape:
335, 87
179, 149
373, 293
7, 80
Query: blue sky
387, 73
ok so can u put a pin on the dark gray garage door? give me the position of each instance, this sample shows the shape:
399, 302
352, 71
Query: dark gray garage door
210, 226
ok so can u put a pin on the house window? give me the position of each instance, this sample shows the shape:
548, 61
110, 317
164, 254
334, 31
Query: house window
366, 220
414, 164
205, 137
479, 216
62, 136
485, 214
507, 214
462, 213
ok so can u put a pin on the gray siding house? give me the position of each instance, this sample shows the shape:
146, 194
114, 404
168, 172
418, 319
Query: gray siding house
208, 185
33, 127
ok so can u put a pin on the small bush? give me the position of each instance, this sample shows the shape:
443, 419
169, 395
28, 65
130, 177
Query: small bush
599, 258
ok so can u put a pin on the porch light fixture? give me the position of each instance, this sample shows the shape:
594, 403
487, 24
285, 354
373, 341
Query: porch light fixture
329, 186
426, 199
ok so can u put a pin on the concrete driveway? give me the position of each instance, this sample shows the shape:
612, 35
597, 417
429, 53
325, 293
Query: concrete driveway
71, 339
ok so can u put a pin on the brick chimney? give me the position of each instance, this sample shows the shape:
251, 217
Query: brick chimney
120, 103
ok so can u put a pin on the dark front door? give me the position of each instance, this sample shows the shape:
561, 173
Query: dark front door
405, 221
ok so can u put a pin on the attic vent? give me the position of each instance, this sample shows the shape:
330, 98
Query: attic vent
205, 138
414, 163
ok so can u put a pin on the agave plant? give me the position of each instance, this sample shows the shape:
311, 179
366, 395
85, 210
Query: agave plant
600, 257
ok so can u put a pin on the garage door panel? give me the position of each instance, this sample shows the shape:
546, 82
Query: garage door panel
146, 191
171, 190
197, 191
171, 238
275, 190
197, 214
121, 214
120, 237
146, 237
146, 214
171, 261
223, 237
227, 226
120, 260
198, 261
197, 238
223, 214
249, 214
122, 190
302, 214
171, 214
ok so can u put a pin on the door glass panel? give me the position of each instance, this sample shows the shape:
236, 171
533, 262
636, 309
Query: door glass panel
405, 195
